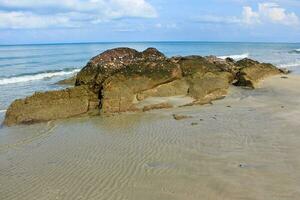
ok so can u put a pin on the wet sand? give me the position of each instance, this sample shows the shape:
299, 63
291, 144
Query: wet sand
245, 146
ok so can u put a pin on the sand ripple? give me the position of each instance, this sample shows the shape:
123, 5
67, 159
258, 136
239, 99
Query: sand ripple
243, 147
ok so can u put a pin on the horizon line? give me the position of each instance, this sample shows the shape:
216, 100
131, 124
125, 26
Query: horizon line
165, 41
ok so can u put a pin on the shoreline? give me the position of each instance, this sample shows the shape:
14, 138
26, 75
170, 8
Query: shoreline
175, 101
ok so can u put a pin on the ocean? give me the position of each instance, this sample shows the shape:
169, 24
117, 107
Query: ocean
25, 69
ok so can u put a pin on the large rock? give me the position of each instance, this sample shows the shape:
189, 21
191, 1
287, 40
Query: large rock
208, 77
209, 86
52, 105
123, 79
178, 87
161, 77
119, 92
113, 61
251, 72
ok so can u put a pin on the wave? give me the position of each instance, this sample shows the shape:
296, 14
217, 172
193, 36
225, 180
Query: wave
295, 51
288, 65
37, 76
235, 57
2, 111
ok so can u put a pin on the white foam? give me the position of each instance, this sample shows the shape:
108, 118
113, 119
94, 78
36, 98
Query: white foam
235, 57
2, 111
288, 65
295, 51
26, 78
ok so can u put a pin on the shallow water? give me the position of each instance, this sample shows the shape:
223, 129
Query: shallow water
243, 147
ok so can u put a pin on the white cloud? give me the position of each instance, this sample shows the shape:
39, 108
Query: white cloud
158, 25
249, 16
212, 19
266, 13
166, 25
269, 13
29, 20
69, 13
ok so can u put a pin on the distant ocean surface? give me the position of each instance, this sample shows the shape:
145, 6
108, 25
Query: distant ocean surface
25, 69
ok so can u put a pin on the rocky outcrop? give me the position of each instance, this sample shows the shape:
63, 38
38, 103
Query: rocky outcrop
119, 80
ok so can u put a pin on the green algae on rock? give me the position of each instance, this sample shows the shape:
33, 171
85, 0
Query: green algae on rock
46, 106
251, 72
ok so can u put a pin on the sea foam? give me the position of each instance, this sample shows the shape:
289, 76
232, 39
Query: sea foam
236, 57
295, 51
36, 76
292, 64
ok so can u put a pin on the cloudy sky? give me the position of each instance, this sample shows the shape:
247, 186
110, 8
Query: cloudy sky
56, 21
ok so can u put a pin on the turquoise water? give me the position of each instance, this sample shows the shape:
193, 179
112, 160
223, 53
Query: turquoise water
25, 69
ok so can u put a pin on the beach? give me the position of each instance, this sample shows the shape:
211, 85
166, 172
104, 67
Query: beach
149, 100
244, 146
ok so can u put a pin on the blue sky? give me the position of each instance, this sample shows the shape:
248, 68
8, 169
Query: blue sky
59, 21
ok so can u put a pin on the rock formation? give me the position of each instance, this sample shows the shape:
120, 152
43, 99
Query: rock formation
118, 80
251, 72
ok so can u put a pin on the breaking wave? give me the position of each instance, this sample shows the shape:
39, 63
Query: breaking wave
2, 111
295, 51
37, 76
235, 57
288, 65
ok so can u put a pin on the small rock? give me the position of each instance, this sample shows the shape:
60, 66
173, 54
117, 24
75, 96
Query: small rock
180, 117
230, 59
241, 165
285, 71
284, 77
157, 106
194, 124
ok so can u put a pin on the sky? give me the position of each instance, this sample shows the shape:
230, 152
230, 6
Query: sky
72, 21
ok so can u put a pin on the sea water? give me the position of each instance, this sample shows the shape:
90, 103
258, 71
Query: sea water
25, 69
